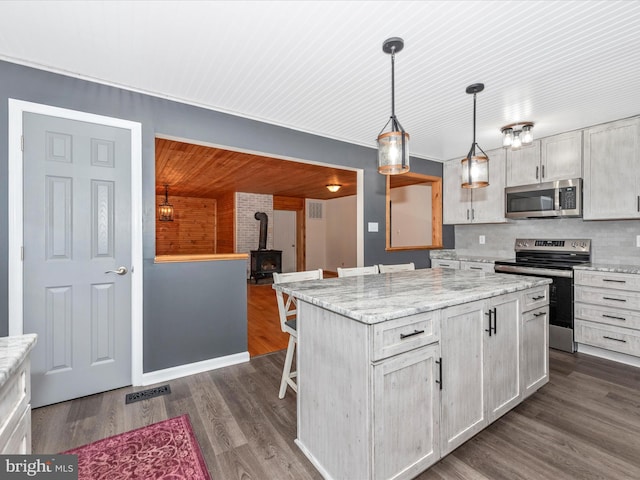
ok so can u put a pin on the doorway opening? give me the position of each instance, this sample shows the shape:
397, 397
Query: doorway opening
226, 180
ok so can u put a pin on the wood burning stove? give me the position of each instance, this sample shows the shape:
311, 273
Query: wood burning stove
264, 262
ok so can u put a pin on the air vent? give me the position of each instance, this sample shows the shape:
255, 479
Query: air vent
145, 394
315, 210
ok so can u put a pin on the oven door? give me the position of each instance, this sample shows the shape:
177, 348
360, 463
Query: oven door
560, 303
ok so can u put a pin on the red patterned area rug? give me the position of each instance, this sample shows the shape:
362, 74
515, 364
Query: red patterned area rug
166, 450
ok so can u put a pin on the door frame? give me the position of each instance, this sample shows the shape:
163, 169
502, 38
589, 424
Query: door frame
16, 219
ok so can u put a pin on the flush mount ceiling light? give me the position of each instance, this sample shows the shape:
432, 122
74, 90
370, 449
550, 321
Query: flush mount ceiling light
475, 167
333, 187
393, 146
165, 209
515, 135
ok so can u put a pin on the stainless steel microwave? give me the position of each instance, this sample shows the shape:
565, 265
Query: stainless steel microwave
562, 198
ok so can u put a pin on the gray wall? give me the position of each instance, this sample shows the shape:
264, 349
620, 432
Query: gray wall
161, 116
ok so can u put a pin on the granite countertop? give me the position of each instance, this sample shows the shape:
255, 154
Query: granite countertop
13, 351
609, 267
454, 255
376, 298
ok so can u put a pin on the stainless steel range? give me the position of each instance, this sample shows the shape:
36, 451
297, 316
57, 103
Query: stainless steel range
553, 259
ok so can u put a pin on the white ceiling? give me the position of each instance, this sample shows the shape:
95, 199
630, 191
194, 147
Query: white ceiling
318, 66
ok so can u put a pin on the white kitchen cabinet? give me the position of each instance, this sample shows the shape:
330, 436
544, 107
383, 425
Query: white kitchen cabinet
611, 173
523, 165
558, 157
15, 411
480, 366
534, 352
406, 424
474, 205
607, 311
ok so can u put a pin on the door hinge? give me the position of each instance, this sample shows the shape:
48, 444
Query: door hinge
22, 143
22, 253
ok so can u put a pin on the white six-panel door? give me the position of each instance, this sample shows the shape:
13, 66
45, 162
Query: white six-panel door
77, 234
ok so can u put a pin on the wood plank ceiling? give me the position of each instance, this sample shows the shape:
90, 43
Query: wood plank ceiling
206, 172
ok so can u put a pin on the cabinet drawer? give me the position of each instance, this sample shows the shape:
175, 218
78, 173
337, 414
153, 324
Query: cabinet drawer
534, 298
608, 297
477, 266
609, 316
438, 263
615, 281
403, 334
617, 339
18, 442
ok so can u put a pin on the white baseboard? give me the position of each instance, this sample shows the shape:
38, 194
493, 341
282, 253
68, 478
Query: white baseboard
609, 355
192, 368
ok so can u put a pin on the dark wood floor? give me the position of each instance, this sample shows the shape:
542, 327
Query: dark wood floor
585, 424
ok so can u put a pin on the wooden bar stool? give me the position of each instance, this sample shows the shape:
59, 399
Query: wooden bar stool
355, 271
287, 311
399, 267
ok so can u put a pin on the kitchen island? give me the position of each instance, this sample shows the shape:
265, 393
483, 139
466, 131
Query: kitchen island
396, 370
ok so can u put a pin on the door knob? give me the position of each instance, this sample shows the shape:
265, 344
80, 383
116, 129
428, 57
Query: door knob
119, 271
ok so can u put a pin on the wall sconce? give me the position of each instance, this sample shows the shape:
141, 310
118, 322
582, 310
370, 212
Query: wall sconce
165, 209
515, 135
475, 166
333, 187
393, 146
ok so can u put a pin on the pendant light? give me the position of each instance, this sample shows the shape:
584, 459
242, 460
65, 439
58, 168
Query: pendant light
165, 209
393, 146
475, 167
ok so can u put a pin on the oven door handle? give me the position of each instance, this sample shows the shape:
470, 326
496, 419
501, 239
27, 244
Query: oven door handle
545, 272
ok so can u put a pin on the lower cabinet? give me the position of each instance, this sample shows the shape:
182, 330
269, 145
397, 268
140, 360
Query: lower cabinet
386, 401
607, 312
480, 366
406, 409
534, 353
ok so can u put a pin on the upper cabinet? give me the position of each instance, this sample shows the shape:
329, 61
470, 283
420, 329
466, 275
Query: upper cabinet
558, 157
611, 173
474, 205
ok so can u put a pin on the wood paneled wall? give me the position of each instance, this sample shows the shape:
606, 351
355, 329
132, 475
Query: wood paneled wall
226, 223
193, 230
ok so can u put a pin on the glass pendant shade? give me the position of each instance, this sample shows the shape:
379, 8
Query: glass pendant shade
165, 209
393, 153
507, 138
475, 167
527, 135
517, 141
475, 172
393, 145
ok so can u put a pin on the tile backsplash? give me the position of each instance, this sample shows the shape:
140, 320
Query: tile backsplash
611, 241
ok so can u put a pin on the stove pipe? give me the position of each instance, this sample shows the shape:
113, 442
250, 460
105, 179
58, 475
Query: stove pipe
262, 244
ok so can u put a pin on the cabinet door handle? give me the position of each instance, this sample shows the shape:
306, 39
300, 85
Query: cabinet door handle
473, 214
614, 299
616, 339
613, 281
475, 268
439, 362
539, 314
538, 298
542, 171
537, 170
467, 214
615, 318
639, 203
407, 335
495, 320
